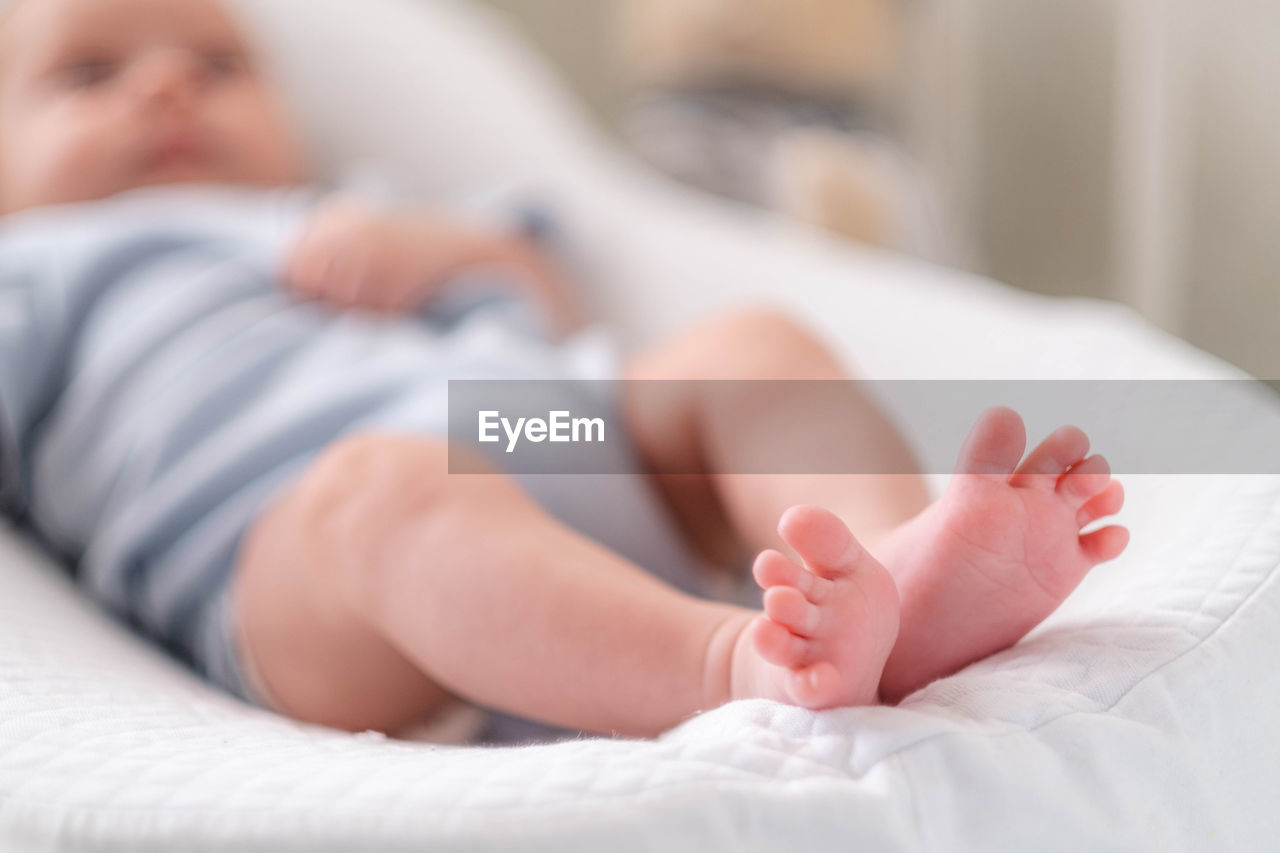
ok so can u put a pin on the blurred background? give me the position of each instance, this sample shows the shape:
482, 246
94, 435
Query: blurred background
1124, 149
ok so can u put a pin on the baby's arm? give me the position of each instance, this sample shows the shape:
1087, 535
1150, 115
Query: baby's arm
394, 261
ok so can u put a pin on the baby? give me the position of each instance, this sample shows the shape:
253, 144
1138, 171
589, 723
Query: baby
222, 402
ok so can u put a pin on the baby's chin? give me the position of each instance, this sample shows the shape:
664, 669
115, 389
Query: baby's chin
163, 173
179, 171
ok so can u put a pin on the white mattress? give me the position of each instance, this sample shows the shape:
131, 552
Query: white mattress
1136, 718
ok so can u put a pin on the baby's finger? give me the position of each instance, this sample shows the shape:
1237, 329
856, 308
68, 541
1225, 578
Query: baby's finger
411, 290
310, 267
296, 274
389, 286
323, 273
352, 285
337, 274
389, 295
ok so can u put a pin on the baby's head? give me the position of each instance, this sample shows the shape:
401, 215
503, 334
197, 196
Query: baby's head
102, 96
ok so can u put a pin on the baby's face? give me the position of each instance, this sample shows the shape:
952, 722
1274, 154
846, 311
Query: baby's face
101, 96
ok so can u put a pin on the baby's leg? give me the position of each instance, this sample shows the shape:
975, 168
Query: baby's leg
720, 430
379, 585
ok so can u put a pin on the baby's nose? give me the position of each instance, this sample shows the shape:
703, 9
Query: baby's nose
168, 76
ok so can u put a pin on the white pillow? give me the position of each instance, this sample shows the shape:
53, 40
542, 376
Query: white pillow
442, 94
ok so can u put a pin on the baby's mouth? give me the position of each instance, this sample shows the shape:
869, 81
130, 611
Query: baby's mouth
175, 149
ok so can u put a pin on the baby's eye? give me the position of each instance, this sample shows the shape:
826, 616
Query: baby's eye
225, 63
89, 73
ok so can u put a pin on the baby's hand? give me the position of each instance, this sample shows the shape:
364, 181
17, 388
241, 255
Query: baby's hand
354, 256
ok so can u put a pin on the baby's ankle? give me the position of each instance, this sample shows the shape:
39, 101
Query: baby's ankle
727, 671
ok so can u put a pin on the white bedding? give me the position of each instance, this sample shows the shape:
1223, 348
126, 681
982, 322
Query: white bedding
1136, 718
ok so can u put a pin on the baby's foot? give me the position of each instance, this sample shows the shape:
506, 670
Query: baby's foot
828, 625
999, 551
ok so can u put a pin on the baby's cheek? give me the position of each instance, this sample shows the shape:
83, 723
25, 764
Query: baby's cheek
67, 161
258, 143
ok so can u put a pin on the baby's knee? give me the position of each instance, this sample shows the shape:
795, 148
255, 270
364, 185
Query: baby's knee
754, 342
760, 319
363, 479
395, 470
774, 341
370, 490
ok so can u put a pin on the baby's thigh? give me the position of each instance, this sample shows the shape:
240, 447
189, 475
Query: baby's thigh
306, 646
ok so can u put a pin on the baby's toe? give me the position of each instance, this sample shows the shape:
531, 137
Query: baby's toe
1043, 466
773, 568
821, 539
1104, 544
816, 686
994, 444
1107, 502
787, 606
1085, 480
777, 645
